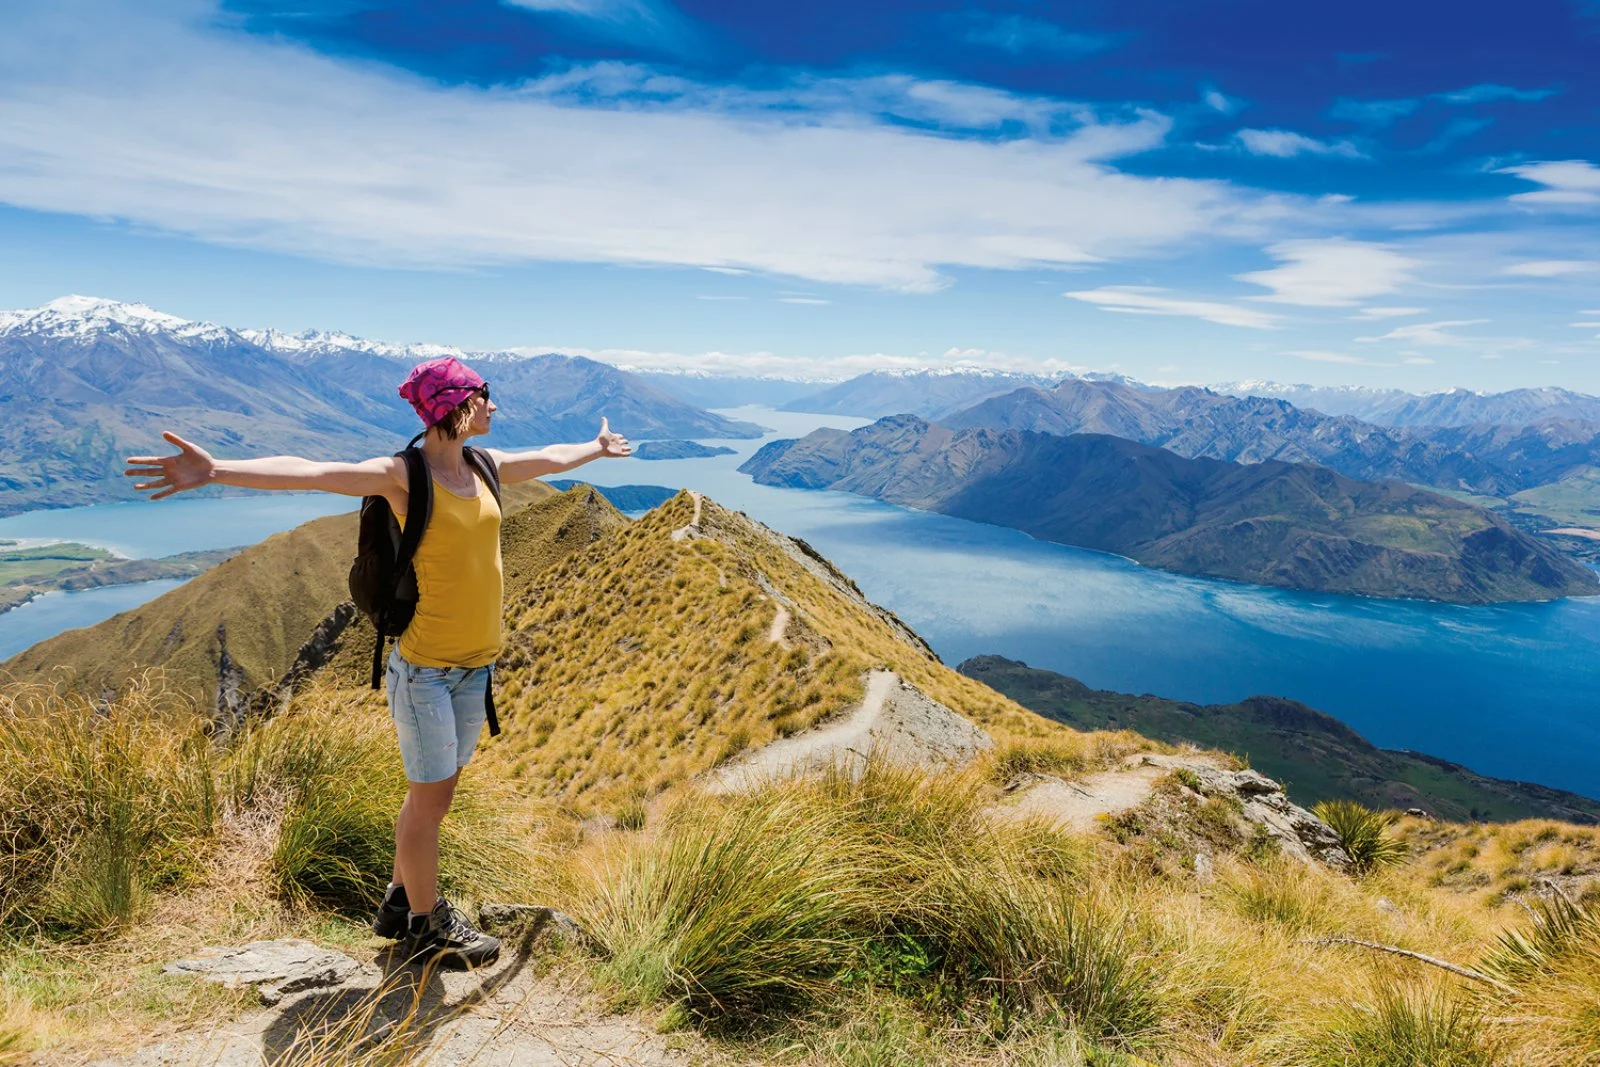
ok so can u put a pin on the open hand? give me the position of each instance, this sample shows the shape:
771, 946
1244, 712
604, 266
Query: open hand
191, 468
612, 444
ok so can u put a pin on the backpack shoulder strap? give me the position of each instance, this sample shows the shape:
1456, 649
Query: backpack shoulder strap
486, 466
419, 504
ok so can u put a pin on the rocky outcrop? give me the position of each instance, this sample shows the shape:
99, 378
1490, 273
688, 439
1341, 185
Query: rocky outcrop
276, 968
1261, 803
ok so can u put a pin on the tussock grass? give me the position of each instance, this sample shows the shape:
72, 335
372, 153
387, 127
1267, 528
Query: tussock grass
100, 803
1404, 1024
1363, 833
887, 879
332, 777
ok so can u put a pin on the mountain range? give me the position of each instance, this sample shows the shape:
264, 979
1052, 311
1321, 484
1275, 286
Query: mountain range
1286, 524
86, 382
1452, 407
1492, 460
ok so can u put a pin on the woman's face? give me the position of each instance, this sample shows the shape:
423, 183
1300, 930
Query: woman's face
482, 410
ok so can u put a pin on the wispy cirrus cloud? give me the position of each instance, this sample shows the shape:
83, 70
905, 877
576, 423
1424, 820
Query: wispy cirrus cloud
1553, 268
652, 22
1376, 314
1317, 356
1488, 92
1286, 144
1567, 183
1374, 113
1150, 300
1019, 33
1331, 272
807, 367
1430, 333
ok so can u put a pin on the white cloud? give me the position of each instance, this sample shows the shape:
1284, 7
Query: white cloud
1331, 273
1430, 333
1331, 357
261, 143
1584, 325
1420, 361
1145, 300
809, 367
1488, 92
802, 300
1567, 183
1018, 33
705, 296
1285, 144
1374, 313
1553, 268
1219, 101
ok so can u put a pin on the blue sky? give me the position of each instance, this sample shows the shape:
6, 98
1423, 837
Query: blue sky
1384, 194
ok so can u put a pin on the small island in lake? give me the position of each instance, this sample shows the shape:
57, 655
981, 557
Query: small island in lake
678, 450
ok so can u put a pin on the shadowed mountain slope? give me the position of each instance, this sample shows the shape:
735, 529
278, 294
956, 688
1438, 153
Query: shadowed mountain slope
1292, 525
1316, 756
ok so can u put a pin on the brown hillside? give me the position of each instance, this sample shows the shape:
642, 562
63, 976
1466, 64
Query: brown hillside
243, 621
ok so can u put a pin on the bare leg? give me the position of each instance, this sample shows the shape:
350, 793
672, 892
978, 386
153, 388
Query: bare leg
398, 877
417, 840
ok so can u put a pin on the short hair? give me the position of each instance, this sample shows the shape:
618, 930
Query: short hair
455, 421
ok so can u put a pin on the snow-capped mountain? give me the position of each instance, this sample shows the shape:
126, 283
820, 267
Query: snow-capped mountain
87, 317
85, 382
1449, 407
332, 342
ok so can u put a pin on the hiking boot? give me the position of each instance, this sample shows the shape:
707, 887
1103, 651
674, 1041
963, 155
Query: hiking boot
390, 921
444, 934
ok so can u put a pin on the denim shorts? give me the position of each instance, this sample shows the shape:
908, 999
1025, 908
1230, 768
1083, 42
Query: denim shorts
438, 713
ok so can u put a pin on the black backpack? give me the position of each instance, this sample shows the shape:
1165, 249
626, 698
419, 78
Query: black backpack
383, 583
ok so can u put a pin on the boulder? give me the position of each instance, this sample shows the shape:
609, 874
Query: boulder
275, 968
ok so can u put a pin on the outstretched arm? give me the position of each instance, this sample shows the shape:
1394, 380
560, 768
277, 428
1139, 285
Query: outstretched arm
194, 467
553, 459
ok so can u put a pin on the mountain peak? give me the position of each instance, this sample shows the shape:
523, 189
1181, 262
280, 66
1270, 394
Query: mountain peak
84, 316
327, 342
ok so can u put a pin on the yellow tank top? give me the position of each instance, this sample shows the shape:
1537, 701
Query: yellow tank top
457, 623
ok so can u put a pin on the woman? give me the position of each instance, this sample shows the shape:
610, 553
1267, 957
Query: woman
440, 667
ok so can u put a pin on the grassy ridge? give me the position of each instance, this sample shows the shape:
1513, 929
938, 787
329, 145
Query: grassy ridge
641, 661
1314, 755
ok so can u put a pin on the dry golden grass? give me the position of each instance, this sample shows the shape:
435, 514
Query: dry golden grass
638, 662
842, 922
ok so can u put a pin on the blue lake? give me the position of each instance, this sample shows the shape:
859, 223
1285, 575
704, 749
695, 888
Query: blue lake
1510, 690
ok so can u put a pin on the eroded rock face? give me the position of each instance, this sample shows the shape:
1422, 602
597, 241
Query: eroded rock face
275, 968
1262, 802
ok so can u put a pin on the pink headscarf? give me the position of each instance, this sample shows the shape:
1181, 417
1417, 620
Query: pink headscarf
435, 387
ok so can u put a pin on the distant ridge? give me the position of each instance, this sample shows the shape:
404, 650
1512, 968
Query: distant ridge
1495, 460
1293, 525
1316, 756
929, 393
